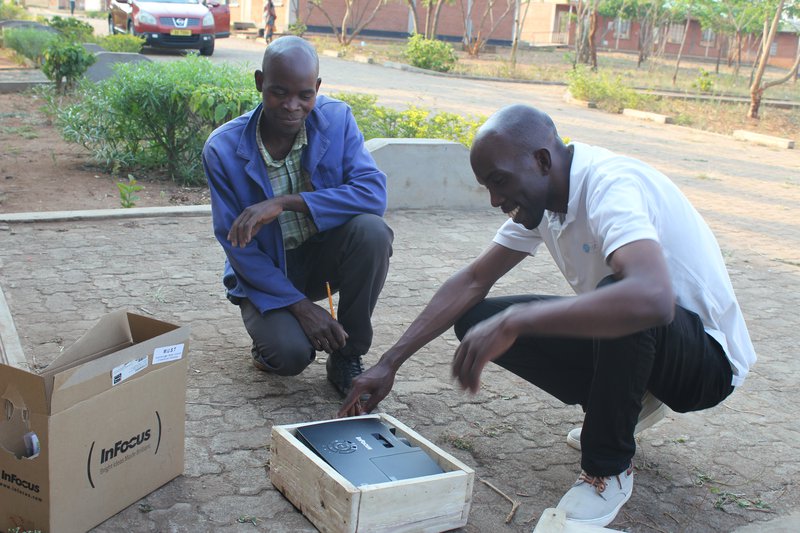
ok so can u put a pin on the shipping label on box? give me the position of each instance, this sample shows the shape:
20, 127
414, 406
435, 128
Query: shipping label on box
100, 428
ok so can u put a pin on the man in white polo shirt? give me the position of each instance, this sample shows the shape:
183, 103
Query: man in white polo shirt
654, 312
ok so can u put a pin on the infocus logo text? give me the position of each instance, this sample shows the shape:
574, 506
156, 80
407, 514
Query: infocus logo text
123, 446
13, 479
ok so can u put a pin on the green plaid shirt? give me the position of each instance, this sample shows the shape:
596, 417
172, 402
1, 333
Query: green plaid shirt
288, 177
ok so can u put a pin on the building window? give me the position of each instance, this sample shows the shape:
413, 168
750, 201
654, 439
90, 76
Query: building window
773, 49
676, 32
708, 38
623, 28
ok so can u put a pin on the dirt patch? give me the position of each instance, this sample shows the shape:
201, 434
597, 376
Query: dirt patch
39, 171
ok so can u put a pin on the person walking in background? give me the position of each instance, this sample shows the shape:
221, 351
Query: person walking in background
71, 7
269, 18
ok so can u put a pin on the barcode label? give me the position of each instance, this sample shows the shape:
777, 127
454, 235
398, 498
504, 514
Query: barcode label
123, 372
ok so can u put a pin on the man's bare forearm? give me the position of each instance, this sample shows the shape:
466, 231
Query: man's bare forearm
456, 296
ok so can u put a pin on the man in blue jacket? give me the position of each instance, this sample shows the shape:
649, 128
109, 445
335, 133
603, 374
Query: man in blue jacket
297, 202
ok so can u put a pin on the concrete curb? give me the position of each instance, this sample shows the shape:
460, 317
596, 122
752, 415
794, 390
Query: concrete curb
20, 86
581, 103
103, 214
760, 138
646, 115
408, 68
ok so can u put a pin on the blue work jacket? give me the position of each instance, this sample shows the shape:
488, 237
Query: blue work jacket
346, 183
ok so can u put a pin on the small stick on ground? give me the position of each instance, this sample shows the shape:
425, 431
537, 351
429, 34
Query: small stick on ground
514, 503
743, 411
212, 404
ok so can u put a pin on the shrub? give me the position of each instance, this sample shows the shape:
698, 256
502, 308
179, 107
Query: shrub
72, 29
156, 116
11, 11
377, 121
50, 101
29, 42
297, 28
121, 42
609, 95
704, 82
430, 54
127, 192
65, 62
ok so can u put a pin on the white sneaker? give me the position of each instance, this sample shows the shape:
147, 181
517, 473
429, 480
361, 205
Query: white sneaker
595, 501
653, 410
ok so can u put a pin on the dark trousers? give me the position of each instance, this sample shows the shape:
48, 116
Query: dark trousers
354, 259
678, 363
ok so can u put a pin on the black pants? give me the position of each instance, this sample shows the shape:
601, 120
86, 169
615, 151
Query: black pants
679, 364
354, 259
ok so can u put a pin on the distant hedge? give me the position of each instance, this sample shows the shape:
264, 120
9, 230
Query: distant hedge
156, 116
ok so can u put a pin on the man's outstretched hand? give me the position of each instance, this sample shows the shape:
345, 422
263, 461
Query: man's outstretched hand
376, 383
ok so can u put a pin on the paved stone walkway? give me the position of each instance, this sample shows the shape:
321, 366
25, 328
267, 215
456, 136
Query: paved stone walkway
60, 277
711, 471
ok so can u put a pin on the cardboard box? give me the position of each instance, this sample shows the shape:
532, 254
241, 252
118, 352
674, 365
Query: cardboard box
109, 416
432, 503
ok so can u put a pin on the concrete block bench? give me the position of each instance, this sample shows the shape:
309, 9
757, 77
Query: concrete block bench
428, 173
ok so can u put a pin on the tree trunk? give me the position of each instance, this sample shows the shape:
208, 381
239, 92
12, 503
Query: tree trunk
755, 103
428, 20
334, 27
719, 55
761, 51
592, 36
796, 70
414, 15
359, 23
756, 89
436, 14
738, 62
480, 39
640, 42
518, 25
349, 7
580, 34
515, 41
683, 43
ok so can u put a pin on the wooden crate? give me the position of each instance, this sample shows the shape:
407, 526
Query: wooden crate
432, 503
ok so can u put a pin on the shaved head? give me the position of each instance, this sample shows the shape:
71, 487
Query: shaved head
521, 126
292, 49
